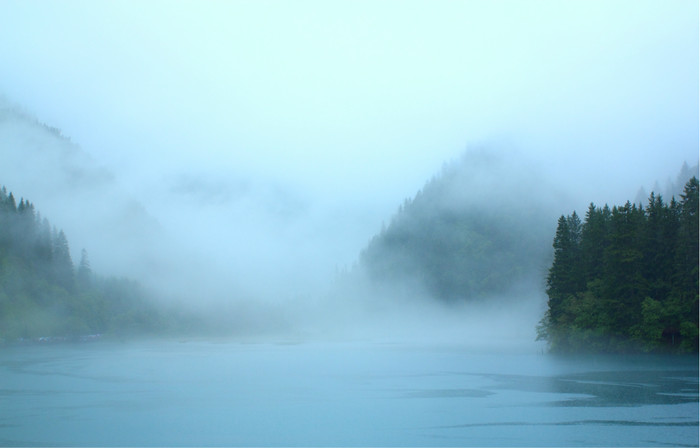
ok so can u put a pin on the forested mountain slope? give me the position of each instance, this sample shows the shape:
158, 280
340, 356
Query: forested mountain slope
42, 293
73, 188
479, 228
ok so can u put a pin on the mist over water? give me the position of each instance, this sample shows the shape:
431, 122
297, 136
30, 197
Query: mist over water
253, 257
242, 156
284, 178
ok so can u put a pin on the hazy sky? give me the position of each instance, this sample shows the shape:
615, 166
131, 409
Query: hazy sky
350, 106
348, 94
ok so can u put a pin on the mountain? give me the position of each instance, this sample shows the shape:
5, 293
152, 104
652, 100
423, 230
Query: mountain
480, 228
71, 187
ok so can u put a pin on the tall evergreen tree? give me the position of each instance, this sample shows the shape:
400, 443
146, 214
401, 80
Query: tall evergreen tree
685, 287
62, 262
562, 277
658, 241
10, 204
594, 241
84, 274
623, 280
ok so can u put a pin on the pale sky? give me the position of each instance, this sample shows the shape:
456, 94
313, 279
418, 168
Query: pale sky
358, 103
337, 91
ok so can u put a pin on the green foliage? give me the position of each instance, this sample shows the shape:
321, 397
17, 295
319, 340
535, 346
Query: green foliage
630, 282
42, 295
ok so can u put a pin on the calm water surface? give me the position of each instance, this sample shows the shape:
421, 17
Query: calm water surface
198, 393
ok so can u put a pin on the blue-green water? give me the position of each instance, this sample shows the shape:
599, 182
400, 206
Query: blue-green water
200, 393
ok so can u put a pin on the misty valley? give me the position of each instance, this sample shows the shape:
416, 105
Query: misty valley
349, 223
468, 251
481, 314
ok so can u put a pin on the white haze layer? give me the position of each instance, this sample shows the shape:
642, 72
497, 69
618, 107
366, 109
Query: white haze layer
235, 155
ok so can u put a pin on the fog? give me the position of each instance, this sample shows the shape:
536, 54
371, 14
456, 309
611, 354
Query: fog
236, 156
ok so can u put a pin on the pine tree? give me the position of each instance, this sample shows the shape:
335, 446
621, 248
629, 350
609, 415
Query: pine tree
658, 242
575, 229
10, 204
43, 247
594, 241
84, 274
686, 262
685, 287
562, 278
623, 279
62, 262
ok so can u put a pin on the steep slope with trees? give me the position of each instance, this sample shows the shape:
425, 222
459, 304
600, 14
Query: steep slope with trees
69, 183
626, 278
42, 294
478, 229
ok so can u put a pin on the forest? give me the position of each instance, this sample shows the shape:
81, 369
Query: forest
44, 296
626, 278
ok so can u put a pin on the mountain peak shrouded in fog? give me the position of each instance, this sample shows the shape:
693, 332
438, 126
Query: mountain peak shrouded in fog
71, 187
479, 228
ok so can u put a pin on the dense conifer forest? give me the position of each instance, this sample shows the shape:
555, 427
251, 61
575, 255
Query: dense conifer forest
43, 295
626, 278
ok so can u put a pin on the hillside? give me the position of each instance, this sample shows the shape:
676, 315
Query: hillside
69, 185
479, 228
44, 295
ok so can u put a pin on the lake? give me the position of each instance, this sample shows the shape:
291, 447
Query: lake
208, 393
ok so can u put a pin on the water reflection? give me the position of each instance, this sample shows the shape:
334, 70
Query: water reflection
166, 394
609, 388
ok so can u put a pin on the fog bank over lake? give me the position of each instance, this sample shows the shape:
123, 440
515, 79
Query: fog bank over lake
249, 150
